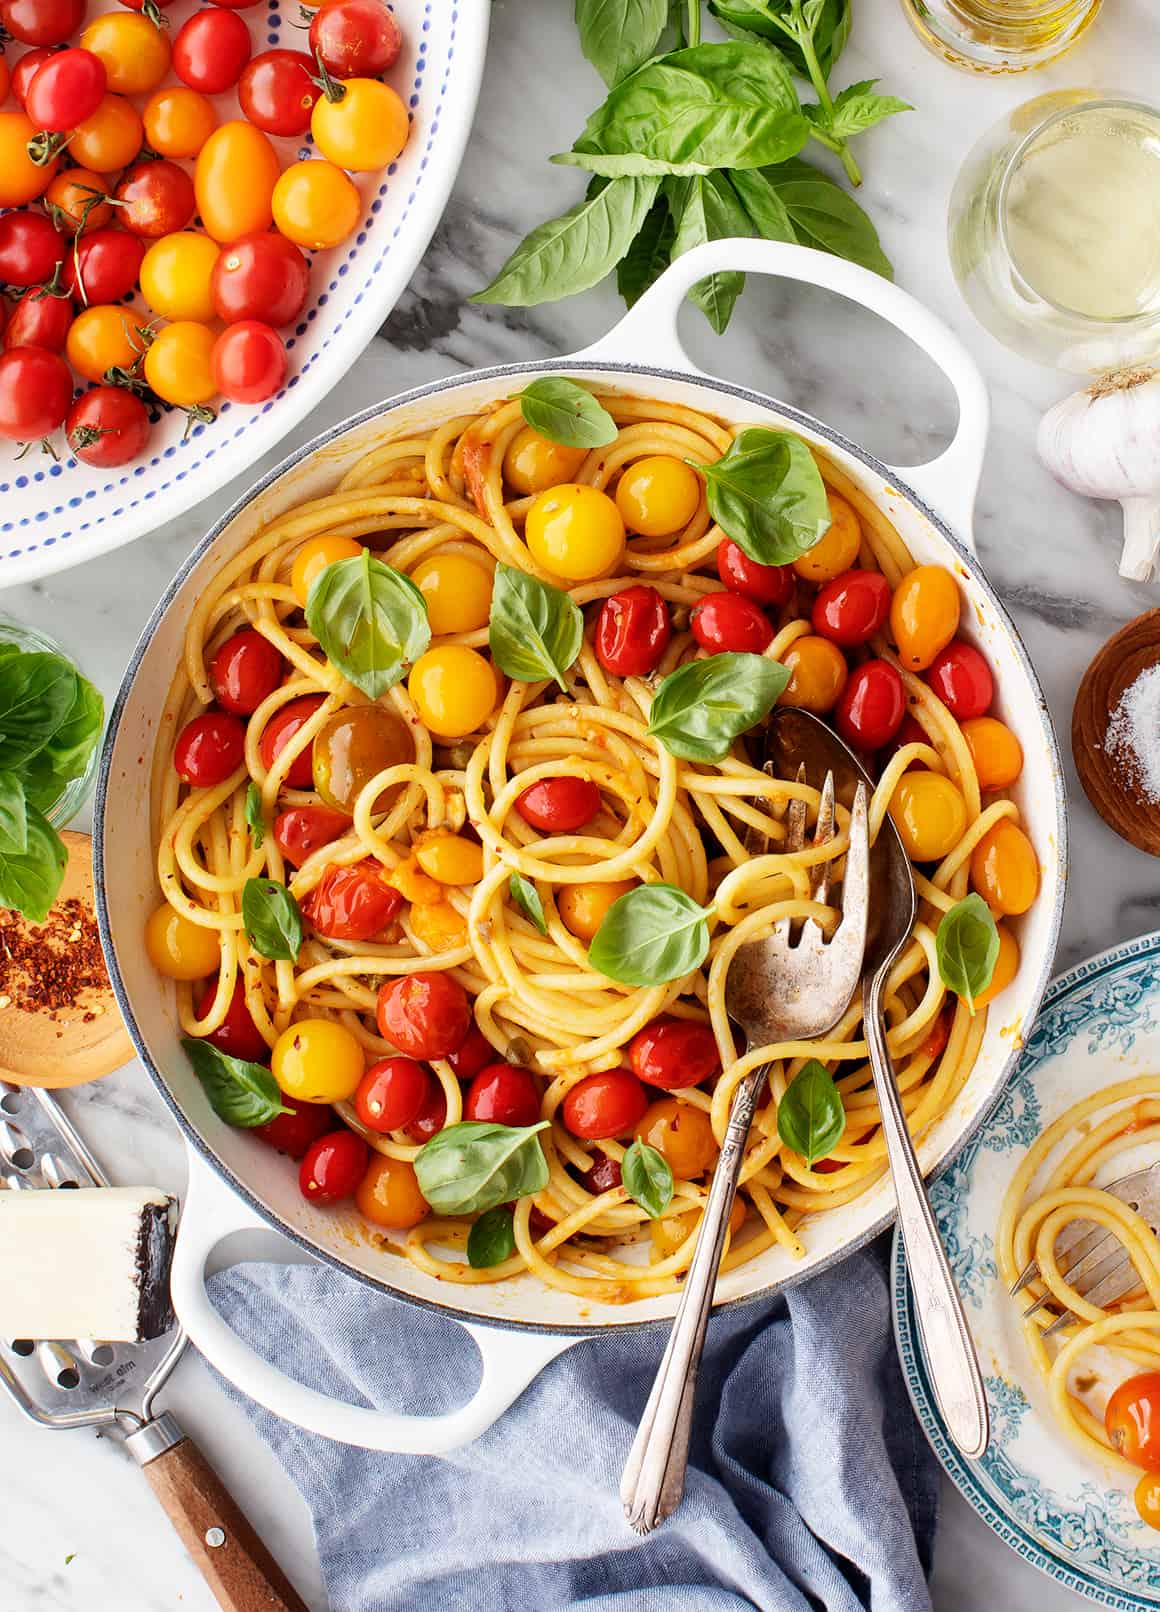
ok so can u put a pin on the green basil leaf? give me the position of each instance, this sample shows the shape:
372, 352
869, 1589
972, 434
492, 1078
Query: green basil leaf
564, 412
651, 935
492, 1239
527, 898
618, 35
571, 253
254, 819
767, 494
827, 24
966, 945
371, 621
702, 707
535, 631
37, 693
810, 1117
707, 209
647, 1178
857, 108
473, 1166
763, 206
30, 880
240, 1092
272, 919
71, 746
648, 256
826, 218
13, 815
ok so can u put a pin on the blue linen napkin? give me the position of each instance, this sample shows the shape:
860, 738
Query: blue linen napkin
810, 1485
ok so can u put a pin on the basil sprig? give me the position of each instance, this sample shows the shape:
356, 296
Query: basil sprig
240, 1092
476, 1164
811, 1118
566, 413
702, 707
527, 898
535, 630
370, 621
966, 945
647, 1178
272, 919
492, 1238
767, 493
254, 819
651, 935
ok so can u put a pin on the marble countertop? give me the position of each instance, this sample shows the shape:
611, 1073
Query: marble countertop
1051, 556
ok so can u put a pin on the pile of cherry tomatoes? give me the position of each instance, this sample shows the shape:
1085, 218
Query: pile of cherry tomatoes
119, 174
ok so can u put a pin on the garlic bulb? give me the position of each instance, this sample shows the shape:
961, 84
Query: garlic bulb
1105, 442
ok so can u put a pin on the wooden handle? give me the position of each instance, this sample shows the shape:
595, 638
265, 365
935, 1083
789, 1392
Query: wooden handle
1110, 785
233, 1560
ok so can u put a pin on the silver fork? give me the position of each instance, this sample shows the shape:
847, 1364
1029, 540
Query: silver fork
1100, 1269
776, 991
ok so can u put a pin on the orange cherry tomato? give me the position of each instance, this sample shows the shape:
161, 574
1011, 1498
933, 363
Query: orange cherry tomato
1005, 869
21, 180
1006, 967
134, 50
108, 140
388, 1194
818, 674
179, 364
234, 180
315, 205
106, 337
1147, 1498
178, 121
924, 615
837, 548
1132, 1420
74, 200
682, 1133
996, 752
364, 129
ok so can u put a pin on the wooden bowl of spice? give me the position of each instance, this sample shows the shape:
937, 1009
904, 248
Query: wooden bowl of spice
1115, 732
59, 1024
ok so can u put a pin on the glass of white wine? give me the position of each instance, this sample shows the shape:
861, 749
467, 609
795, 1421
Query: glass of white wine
1054, 230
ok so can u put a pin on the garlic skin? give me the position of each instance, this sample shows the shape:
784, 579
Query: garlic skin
1104, 442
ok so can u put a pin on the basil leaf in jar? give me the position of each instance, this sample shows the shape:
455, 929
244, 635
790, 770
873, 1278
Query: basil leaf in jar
370, 621
966, 945
30, 880
492, 1238
651, 935
13, 815
242, 1093
566, 413
810, 1117
272, 919
37, 693
767, 494
477, 1164
535, 630
647, 1178
702, 707
68, 752
618, 35
527, 898
254, 819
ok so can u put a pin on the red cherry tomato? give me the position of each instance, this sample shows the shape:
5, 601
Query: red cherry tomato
66, 89
355, 38
157, 199
962, 680
278, 732
559, 805
294, 1132
1132, 1420
674, 1053
35, 392
261, 277
764, 584
602, 1174
209, 748
354, 903
103, 267
210, 50
30, 248
26, 70
425, 1015
851, 608
606, 1104
392, 1094
107, 427
632, 630
472, 1054
237, 1034
301, 830
277, 91
248, 362
433, 1117
729, 621
871, 707
333, 1167
503, 1093
39, 322
246, 669
41, 22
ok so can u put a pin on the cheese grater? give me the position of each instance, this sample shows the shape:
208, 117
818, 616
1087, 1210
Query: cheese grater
84, 1382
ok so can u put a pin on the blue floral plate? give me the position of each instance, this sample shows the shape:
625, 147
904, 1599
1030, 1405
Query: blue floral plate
1061, 1511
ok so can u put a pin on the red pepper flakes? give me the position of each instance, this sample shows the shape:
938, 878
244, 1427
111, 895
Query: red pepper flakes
47, 968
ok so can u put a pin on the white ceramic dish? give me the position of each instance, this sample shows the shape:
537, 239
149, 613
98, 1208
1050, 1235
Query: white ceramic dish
1061, 1511
234, 1180
53, 515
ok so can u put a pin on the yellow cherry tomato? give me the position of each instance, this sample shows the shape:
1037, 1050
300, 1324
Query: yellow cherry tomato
388, 1195
575, 532
175, 275
234, 179
313, 558
108, 140
416, 886
996, 752
682, 1133
364, 129
178, 121
837, 549
21, 180
315, 205
134, 50
179, 948
177, 365
438, 926
457, 590
74, 200
1005, 869
451, 859
929, 813
532, 463
106, 337
924, 615
454, 689
668, 1233
1147, 1497
583, 907
818, 674
317, 1061
1006, 967
658, 495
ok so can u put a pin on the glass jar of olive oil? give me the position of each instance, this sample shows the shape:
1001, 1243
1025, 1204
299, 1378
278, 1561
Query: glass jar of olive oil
999, 36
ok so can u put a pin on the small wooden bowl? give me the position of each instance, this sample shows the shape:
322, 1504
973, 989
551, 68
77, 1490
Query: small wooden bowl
1112, 788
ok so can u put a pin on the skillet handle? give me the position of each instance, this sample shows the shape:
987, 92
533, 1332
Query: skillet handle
648, 335
510, 1359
